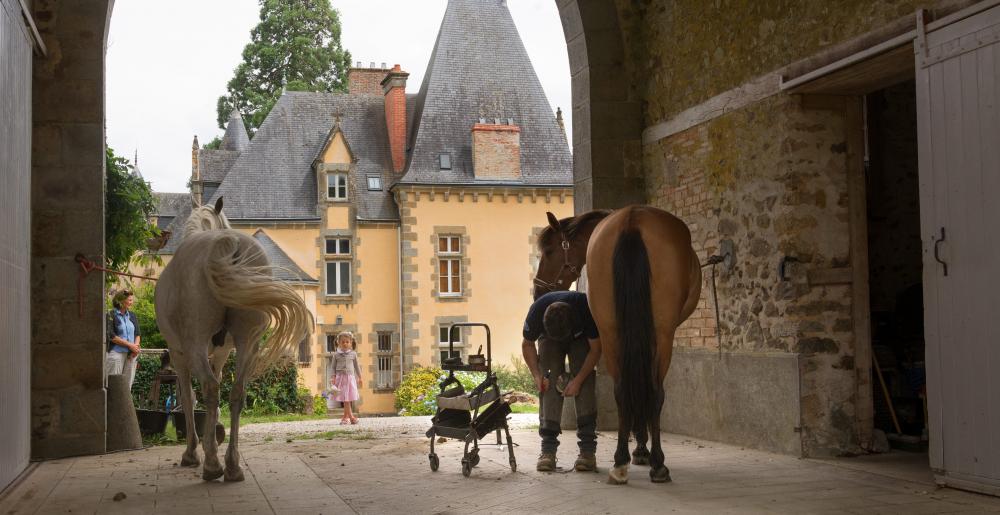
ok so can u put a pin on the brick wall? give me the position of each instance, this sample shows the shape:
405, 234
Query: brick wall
496, 151
365, 81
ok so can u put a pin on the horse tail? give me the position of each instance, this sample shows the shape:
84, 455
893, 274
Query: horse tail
636, 334
238, 280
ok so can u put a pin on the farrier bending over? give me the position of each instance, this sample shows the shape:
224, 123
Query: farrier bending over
563, 326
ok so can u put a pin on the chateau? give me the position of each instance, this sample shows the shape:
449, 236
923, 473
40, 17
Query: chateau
399, 214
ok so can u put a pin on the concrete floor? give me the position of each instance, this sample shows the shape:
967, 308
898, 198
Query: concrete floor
369, 472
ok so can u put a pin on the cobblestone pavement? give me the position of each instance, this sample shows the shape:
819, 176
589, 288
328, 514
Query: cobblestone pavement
368, 470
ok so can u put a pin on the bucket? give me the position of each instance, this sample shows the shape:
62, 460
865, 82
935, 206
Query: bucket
152, 422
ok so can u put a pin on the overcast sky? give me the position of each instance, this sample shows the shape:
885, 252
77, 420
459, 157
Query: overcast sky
169, 61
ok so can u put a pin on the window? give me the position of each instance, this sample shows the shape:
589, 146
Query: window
445, 161
304, 356
338, 246
374, 183
338, 278
450, 268
450, 277
383, 349
331, 343
457, 353
443, 336
336, 186
384, 342
449, 245
383, 377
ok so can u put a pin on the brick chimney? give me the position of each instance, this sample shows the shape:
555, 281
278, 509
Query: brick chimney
195, 171
365, 81
496, 150
394, 88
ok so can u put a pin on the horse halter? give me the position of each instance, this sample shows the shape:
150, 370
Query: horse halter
573, 269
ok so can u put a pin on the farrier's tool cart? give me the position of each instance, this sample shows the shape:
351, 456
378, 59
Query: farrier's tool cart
470, 416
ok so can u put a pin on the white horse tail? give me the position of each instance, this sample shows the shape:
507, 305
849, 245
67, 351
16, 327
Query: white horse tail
237, 278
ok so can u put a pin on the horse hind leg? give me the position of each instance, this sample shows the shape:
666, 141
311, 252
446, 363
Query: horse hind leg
640, 456
210, 389
245, 346
186, 391
658, 471
618, 475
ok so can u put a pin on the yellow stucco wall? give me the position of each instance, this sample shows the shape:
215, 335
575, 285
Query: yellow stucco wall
498, 279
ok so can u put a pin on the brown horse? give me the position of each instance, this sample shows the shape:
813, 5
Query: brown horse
643, 280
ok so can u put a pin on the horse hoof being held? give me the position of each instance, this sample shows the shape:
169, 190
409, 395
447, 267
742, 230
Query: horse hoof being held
643, 280
217, 294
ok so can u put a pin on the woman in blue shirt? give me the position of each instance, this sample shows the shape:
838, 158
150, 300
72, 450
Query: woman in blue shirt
123, 337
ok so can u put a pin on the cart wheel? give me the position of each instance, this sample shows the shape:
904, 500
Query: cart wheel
466, 468
435, 462
474, 458
513, 465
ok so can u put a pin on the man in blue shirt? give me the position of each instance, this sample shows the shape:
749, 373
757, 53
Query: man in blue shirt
564, 328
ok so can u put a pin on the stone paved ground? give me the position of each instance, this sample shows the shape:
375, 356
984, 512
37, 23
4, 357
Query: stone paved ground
372, 469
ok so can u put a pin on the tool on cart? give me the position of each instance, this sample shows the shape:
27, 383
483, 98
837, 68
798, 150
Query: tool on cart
458, 413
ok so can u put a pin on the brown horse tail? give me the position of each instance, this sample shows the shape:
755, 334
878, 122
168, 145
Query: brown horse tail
636, 334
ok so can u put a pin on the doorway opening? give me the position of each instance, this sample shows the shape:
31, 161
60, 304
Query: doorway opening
895, 273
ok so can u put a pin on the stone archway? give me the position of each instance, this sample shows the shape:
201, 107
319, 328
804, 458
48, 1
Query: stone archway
67, 217
607, 113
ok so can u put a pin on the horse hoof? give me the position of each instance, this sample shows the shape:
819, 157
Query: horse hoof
618, 475
660, 475
190, 461
234, 476
211, 475
640, 458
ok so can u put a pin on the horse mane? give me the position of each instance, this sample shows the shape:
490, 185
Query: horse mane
204, 218
571, 226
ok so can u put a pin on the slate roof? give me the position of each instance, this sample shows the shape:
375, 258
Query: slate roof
176, 227
215, 164
480, 69
273, 178
235, 138
285, 269
171, 204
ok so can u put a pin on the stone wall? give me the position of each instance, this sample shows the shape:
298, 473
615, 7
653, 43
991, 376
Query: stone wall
67, 195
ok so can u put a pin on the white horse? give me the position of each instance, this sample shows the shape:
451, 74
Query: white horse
218, 293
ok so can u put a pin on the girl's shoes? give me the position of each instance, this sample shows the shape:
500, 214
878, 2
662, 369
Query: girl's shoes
344, 421
354, 420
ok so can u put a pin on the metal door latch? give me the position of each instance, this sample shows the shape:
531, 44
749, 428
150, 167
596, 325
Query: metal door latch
937, 251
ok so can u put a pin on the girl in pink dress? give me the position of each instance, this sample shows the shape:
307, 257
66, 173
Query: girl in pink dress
346, 375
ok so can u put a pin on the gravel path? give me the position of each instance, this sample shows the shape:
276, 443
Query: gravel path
377, 427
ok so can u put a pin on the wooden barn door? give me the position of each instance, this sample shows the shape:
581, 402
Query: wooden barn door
958, 110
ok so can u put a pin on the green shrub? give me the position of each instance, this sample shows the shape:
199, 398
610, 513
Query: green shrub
319, 405
274, 392
515, 377
145, 312
416, 392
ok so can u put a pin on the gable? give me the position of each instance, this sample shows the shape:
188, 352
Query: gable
336, 150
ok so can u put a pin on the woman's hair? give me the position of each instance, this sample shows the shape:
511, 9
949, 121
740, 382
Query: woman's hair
119, 298
558, 321
349, 336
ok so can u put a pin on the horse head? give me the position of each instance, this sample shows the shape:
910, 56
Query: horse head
563, 247
206, 218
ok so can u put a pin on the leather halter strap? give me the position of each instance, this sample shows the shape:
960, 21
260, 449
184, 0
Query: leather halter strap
558, 281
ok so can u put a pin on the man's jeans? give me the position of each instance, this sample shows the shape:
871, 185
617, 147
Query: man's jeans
552, 359
118, 363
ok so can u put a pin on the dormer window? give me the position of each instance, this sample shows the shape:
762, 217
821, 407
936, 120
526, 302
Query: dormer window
336, 186
374, 183
445, 161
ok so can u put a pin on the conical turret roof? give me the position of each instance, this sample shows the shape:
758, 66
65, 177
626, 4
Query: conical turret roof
236, 134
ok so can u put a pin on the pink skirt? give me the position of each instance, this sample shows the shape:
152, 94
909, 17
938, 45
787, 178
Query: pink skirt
348, 385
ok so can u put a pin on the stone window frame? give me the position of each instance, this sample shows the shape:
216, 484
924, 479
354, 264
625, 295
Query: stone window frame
338, 253
355, 295
393, 355
339, 174
465, 274
447, 321
304, 345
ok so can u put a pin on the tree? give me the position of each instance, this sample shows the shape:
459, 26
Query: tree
213, 145
128, 206
296, 46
